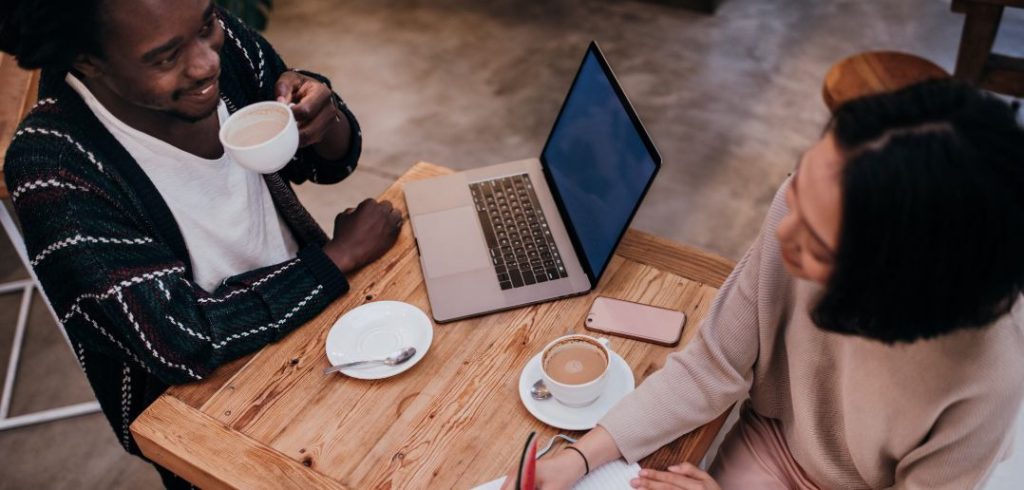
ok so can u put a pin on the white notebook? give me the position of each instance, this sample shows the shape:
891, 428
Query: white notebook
612, 476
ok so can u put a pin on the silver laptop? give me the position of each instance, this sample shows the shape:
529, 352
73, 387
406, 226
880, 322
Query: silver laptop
534, 230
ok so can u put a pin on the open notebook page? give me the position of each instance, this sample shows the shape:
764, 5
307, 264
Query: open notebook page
612, 476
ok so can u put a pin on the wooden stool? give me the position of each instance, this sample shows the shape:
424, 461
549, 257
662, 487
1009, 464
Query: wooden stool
875, 72
18, 92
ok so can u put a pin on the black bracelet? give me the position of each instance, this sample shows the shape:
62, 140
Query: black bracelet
586, 464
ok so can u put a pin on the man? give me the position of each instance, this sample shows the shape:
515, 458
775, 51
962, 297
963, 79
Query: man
162, 258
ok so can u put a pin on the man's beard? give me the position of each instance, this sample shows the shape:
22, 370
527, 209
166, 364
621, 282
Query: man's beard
190, 118
187, 117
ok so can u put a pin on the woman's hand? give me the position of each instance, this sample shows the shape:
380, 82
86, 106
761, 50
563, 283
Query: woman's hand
557, 472
562, 468
683, 476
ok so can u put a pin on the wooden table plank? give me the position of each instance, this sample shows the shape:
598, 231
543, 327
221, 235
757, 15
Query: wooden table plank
683, 260
196, 394
452, 421
197, 447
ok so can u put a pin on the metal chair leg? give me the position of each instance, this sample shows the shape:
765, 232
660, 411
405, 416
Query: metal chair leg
27, 288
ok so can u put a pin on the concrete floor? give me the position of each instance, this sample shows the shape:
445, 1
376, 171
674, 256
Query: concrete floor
731, 101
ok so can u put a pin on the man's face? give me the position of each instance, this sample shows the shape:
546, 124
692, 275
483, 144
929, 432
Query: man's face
162, 55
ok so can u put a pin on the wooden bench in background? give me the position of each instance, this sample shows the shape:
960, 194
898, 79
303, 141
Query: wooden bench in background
975, 61
18, 91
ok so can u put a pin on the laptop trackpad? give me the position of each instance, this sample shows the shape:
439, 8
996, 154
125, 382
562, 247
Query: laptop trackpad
450, 242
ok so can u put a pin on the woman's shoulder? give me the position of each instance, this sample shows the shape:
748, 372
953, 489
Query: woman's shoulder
775, 281
1005, 337
990, 355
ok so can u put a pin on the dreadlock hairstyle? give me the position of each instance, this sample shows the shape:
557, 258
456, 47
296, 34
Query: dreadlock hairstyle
49, 33
932, 233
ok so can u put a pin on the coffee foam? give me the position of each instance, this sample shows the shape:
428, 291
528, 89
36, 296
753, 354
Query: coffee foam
257, 117
573, 342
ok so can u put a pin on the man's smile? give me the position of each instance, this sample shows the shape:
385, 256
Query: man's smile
202, 92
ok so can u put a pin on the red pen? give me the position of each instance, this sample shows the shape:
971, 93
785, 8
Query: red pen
527, 477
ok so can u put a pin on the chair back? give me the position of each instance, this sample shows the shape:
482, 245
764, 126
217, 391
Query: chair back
875, 72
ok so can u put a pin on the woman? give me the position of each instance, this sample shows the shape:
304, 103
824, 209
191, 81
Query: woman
874, 324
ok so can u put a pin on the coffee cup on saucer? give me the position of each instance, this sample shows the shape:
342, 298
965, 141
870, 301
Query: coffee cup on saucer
262, 137
575, 369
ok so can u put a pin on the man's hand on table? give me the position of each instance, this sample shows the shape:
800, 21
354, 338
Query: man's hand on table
363, 234
683, 476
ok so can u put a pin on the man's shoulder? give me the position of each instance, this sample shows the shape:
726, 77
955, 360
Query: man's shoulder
52, 141
58, 114
244, 44
232, 23
248, 62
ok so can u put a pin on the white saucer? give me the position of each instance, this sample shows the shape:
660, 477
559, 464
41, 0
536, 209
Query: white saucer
375, 330
553, 413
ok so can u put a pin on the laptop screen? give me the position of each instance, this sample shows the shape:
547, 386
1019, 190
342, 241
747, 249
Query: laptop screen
599, 161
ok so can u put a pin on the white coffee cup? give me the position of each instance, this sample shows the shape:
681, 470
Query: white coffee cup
262, 137
576, 395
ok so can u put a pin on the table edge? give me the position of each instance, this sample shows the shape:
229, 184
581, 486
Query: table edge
175, 440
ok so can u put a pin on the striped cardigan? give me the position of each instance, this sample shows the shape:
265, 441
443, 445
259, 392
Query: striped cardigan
114, 264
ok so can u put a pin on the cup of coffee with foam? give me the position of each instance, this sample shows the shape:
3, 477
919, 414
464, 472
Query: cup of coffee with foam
262, 137
575, 369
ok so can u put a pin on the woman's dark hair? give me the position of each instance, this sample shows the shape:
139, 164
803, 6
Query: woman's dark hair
49, 33
932, 233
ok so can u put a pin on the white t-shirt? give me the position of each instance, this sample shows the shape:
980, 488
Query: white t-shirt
224, 211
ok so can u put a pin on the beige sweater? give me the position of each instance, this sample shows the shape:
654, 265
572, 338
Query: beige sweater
856, 413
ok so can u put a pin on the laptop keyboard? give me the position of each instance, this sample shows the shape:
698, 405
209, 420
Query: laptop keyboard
522, 249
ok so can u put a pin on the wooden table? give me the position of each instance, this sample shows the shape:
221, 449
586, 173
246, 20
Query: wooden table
272, 420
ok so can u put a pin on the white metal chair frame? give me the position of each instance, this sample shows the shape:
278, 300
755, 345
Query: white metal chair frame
27, 288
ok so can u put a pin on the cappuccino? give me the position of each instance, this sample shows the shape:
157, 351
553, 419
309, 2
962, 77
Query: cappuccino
257, 132
575, 362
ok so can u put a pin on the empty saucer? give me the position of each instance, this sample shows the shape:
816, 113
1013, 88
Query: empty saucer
375, 330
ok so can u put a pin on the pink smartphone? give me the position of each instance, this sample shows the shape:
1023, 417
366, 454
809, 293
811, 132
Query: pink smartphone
636, 321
